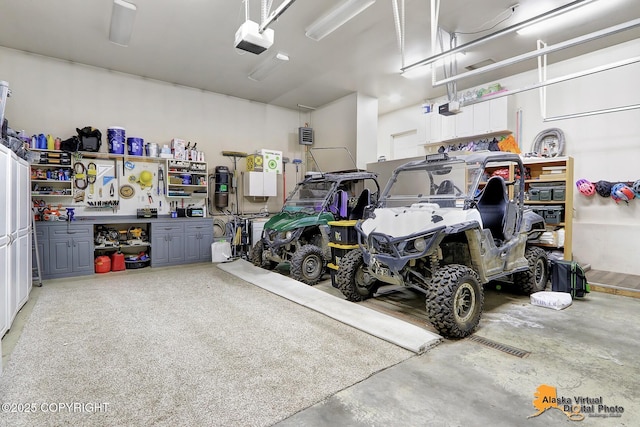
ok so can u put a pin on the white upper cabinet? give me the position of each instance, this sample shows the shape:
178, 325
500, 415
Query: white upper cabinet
494, 116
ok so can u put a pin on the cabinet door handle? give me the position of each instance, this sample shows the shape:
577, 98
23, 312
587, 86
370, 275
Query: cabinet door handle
68, 243
166, 238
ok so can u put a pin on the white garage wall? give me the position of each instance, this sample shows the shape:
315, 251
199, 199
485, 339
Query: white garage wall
54, 97
603, 147
367, 125
335, 125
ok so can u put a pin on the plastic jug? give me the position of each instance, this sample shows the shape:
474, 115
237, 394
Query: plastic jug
103, 264
117, 262
51, 143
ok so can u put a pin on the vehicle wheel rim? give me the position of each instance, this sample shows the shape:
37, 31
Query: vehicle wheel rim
312, 266
362, 281
465, 301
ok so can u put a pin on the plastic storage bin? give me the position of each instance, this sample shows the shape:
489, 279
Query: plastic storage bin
545, 194
553, 214
343, 232
220, 251
559, 193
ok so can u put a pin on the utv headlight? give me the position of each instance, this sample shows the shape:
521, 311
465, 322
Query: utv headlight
420, 244
288, 235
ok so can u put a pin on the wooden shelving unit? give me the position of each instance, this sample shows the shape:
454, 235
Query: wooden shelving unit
539, 169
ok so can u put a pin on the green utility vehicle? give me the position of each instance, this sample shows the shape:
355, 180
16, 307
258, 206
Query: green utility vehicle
447, 226
299, 234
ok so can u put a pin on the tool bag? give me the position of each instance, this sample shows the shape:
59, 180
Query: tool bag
568, 276
71, 145
91, 138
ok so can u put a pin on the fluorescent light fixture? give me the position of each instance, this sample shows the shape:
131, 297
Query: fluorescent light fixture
477, 42
582, 13
421, 71
265, 68
122, 16
335, 18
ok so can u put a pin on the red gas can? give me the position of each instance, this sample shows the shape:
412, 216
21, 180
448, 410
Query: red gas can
103, 264
117, 262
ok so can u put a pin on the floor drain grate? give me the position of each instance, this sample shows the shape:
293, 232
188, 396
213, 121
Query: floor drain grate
498, 346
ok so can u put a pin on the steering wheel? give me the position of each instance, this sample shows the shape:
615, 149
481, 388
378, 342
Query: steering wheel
446, 187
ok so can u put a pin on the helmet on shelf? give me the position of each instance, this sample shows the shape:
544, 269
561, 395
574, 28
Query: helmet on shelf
622, 192
603, 188
586, 187
636, 188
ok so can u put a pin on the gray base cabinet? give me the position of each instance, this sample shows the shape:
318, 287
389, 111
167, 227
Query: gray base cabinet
167, 243
70, 251
42, 234
198, 243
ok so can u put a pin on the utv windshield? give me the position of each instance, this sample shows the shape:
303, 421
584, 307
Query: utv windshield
447, 184
309, 197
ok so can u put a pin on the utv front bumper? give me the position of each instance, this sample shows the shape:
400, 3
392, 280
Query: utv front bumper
393, 253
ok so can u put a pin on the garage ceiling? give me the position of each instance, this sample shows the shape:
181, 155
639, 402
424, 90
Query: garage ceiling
190, 43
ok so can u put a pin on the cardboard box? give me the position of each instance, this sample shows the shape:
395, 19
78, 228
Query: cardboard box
255, 163
178, 147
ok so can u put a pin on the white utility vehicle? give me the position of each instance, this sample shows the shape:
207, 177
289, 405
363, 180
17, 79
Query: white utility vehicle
446, 226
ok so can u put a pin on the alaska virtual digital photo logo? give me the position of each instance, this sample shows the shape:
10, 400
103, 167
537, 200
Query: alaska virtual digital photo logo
576, 407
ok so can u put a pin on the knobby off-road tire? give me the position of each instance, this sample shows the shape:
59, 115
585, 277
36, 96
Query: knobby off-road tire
352, 278
535, 278
255, 257
307, 265
454, 300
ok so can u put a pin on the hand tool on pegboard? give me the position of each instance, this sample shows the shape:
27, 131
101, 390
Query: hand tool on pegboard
92, 173
161, 181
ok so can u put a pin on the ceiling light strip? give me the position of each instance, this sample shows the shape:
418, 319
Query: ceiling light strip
549, 49
335, 18
511, 29
265, 68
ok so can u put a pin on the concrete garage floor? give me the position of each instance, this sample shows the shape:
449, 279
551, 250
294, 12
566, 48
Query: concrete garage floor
587, 352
